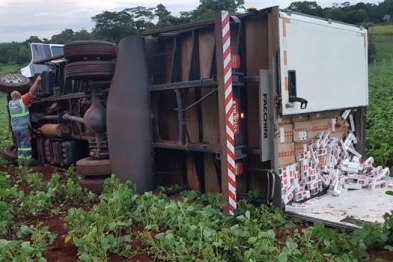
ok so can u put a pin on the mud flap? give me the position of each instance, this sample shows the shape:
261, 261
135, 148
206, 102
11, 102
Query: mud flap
128, 124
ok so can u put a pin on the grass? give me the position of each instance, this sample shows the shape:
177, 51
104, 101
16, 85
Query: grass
10, 68
383, 38
381, 30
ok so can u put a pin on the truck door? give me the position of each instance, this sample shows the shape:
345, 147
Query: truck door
323, 64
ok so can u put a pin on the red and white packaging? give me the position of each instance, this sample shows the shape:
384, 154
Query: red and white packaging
313, 185
337, 188
301, 195
377, 185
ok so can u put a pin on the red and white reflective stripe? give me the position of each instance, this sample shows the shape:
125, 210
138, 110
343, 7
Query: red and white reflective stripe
230, 150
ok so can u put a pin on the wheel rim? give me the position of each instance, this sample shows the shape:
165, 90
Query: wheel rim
13, 79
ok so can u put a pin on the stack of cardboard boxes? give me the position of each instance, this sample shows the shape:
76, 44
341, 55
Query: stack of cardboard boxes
317, 155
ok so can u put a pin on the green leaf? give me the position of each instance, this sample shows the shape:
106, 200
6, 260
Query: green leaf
291, 245
390, 248
247, 214
112, 226
67, 239
282, 257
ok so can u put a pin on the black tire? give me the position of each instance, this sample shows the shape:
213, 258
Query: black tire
10, 153
91, 167
95, 185
100, 70
90, 50
11, 82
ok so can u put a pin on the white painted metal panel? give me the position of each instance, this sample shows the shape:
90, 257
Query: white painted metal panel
266, 113
364, 204
330, 61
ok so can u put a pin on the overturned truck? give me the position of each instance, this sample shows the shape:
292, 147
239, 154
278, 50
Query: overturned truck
270, 100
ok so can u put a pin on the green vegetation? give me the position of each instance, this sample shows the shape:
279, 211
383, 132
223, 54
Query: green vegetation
381, 30
379, 143
10, 68
192, 229
382, 38
379, 115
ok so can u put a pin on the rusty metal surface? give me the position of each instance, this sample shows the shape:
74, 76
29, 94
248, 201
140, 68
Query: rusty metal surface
55, 130
177, 27
256, 58
90, 50
197, 147
43, 61
128, 117
208, 82
207, 22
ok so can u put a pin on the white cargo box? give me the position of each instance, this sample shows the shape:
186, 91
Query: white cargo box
322, 62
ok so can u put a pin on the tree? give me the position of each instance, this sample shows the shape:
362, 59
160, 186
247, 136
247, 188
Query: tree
33, 39
142, 17
65, 36
306, 7
164, 16
206, 9
232, 6
9, 52
113, 26
83, 35
24, 55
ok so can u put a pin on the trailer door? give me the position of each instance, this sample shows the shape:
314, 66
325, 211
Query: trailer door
323, 64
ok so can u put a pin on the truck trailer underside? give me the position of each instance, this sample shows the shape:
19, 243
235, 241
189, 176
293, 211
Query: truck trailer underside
229, 105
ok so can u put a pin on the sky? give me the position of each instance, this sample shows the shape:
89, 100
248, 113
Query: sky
20, 19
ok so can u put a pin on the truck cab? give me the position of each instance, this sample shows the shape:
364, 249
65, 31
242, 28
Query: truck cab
40, 51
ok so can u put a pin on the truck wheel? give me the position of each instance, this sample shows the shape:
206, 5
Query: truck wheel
90, 50
11, 82
100, 70
93, 167
10, 153
95, 185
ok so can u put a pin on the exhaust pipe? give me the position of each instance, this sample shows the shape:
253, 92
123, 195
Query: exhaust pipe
55, 130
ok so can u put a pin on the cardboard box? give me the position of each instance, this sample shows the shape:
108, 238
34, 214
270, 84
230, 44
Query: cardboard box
345, 114
285, 133
345, 129
284, 120
327, 114
380, 184
338, 134
302, 131
321, 125
337, 188
300, 148
325, 162
286, 154
300, 118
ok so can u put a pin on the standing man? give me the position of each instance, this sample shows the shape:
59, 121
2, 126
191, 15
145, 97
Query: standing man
20, 119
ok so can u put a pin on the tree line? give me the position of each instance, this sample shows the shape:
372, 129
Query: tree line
114, 25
